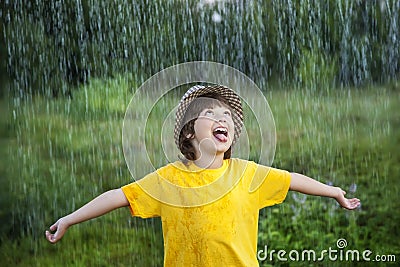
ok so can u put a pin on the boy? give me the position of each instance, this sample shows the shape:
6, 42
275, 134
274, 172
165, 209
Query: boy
208, 202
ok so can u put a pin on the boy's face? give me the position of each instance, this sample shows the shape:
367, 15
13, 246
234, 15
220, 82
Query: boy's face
213, 130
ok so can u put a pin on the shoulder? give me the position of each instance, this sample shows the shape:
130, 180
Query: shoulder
242, 164
177, 166
235, 162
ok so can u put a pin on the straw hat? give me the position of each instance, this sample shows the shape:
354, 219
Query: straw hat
198, 91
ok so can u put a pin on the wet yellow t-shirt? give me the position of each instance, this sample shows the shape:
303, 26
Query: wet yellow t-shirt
209, 216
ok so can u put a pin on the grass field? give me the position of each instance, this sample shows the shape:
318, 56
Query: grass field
63, 152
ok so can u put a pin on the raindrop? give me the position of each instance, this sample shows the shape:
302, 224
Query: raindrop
299, 198
353, 188
216, 17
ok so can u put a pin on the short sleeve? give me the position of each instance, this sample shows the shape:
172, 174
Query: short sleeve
142, 204
274, 185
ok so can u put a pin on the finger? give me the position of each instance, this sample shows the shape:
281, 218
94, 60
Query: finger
50, 237
354, 203
54, 238
54, 226
357, 202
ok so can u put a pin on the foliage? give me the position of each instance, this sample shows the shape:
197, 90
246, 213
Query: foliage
63, 152
345, 139
316, 71
50, 44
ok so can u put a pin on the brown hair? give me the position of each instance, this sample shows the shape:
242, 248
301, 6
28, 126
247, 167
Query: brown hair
193, 111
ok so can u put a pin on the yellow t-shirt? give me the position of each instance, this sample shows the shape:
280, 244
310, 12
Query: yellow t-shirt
209, 216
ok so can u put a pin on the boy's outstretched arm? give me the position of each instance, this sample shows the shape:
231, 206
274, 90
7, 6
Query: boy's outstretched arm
306, 185
102, 204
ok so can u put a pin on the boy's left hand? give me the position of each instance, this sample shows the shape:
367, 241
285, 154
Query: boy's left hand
346, 203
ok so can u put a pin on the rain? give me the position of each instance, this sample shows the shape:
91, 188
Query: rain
69, 69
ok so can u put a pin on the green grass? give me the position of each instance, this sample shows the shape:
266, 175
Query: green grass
63, 152
345, 138
108, 241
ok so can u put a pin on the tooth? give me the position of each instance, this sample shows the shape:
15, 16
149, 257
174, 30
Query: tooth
220, 129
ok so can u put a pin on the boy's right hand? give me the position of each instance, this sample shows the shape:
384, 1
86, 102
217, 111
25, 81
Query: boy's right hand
102, 204
59, 229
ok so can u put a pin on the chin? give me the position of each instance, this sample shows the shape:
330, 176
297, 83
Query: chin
222, 150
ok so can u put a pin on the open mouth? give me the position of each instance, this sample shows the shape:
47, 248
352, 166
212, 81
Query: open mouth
221, 134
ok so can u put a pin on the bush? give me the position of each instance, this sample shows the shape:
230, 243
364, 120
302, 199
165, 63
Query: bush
50, 45
316, 71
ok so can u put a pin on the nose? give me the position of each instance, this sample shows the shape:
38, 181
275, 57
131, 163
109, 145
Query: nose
221, 118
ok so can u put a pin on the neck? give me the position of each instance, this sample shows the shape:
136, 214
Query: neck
210, 162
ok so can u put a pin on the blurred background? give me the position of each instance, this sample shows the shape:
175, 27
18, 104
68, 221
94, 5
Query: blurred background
329, 69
